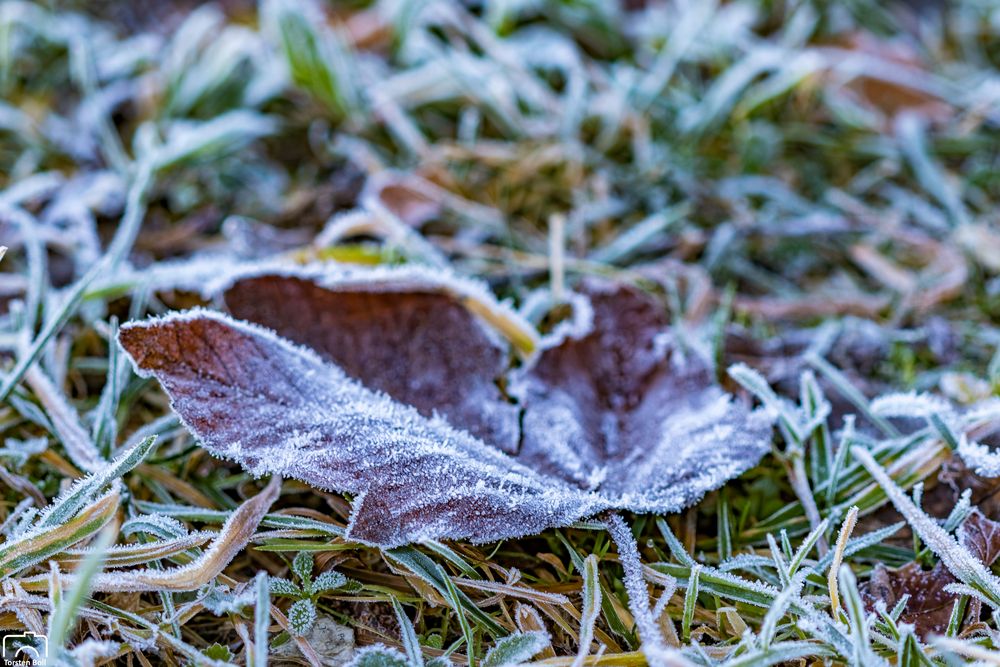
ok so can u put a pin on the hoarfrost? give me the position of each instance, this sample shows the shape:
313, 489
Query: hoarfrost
979, 457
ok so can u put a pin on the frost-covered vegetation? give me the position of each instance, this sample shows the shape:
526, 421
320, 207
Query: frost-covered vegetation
606, 333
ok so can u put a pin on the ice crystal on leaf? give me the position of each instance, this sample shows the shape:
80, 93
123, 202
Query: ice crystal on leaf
391, 387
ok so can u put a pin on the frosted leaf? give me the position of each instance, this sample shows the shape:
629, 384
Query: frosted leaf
910, 404
302, 566
981, 536
328, 581
301, 616
281, 586
929, 606
622, 411
379, 655
415, 343
279, 409
981, 458
516, 649
406, 410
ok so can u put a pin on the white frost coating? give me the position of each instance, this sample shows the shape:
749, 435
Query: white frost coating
580, 323
188, 275
979, 457
910, 404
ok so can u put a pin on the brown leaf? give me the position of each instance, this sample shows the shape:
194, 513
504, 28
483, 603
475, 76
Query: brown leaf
929, 606
413, 342
895, 86
982, 537
409, 415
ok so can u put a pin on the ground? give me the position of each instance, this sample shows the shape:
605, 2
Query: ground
797, 199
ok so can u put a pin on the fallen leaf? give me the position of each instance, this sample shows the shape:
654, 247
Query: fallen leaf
277, 408
982, 537
929, 607
406, 411
892, 77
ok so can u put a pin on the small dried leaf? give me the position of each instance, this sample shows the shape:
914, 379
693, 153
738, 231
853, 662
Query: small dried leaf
930, 604
901, 92
982, 537
410, 204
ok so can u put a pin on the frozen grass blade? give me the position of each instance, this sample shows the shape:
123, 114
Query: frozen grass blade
52, 326
409, 636
591, 608
65, 421
432, 573
863, 654
83, 490
455, 599
43, 542
233, 537
261, 619
779, 608
838, 555
64, 614
807, 544
851, 393
316, 58
635, 587
779, 562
